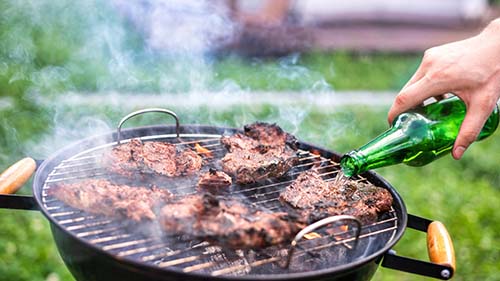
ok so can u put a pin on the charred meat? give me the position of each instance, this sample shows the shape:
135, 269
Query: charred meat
214, 181
260, 136
187, 162
98, 196
314, 199
227, 221
160, 158
262, 151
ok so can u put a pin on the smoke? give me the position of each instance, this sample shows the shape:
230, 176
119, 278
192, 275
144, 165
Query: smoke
117, 45
64, 133
86, 64
189, 27
95, 61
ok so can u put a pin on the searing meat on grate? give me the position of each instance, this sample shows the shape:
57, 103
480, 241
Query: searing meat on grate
226, 221
314, 199
262, 151
98, 196
161, 158
214, 181
188, 162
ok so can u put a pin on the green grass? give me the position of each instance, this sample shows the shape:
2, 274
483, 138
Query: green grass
464, 194
320, 71
49, 47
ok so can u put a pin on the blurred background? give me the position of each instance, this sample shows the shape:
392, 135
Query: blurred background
326, 71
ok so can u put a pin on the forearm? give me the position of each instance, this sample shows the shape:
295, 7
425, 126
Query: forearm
487, 49
494, 25
492, 31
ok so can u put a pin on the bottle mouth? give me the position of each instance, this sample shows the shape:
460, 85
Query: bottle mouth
351, 164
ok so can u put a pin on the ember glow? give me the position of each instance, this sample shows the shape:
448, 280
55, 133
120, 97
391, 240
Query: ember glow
203, 151
312, 235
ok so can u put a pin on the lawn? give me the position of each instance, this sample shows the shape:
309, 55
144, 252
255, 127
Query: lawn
50, 48
462, 194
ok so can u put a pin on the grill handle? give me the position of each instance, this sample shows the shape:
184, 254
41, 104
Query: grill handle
321, 223
147, 110
11, 180
16, 175
439, 246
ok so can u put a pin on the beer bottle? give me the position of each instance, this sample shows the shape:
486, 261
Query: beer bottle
416, 137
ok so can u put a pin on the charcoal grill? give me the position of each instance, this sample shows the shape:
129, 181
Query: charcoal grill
99, 248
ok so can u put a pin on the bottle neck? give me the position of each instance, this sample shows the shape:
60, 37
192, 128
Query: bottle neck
353, 163
386, 149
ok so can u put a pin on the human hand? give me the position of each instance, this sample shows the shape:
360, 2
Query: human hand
470, 69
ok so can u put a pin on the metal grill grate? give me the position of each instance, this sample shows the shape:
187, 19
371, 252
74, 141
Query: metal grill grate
150, 246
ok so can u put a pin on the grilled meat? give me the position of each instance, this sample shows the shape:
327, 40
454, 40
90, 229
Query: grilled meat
214, 181
157, 157
226, 221
262, 151
188, 162
160, 158
314, 199
98, 196
269, 134
124, 159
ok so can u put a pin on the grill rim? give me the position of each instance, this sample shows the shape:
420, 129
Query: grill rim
88, 143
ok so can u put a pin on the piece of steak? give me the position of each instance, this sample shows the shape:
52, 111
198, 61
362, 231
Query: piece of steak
99, 196
214, 181
314, 198
263, 151
227, 221
124, 159
152, 157
187, 162
159, 158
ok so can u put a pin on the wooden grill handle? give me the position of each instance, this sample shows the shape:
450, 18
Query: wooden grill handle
440, 246
16, 175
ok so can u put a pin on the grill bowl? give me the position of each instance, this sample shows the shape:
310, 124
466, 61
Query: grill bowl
72, 244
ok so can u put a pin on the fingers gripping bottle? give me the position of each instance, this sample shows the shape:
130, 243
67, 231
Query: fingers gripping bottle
416, 137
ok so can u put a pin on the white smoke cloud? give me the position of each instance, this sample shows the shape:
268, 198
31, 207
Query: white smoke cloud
180, 26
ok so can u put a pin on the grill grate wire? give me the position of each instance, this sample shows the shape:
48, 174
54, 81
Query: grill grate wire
186, 254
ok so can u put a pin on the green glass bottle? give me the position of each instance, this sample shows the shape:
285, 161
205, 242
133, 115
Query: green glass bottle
416, 137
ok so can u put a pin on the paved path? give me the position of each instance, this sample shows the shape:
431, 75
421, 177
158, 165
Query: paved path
402, 34
385, 38
226, 100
